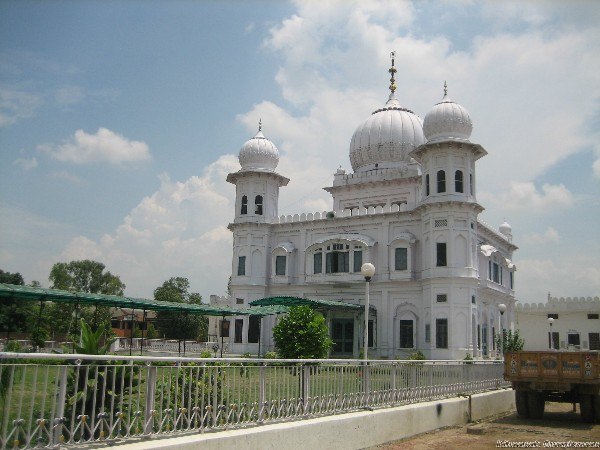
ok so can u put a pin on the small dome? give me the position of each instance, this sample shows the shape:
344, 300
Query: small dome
505, 229
447, 120
259, 153
386, 138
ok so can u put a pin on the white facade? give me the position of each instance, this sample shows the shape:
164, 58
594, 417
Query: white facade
576, 324
410, 208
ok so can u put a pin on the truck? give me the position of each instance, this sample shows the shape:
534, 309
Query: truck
554, 376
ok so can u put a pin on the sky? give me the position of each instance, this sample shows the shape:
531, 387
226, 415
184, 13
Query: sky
120, 120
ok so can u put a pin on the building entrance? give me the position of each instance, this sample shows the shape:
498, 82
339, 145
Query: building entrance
342, 334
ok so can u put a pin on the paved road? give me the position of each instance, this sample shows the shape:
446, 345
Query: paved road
559, 425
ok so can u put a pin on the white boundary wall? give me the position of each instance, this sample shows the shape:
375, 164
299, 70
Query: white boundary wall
346, 431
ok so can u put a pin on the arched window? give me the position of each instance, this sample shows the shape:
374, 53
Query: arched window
244, 205
427, 185
441, 181
258, 205
458, 181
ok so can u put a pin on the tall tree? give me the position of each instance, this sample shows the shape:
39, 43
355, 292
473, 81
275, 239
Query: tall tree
176, 325
85, 276
82, 276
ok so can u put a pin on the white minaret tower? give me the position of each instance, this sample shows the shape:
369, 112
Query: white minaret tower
449, 210
256, 207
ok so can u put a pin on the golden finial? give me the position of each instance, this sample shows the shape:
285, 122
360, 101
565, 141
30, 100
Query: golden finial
260, 124
392, 72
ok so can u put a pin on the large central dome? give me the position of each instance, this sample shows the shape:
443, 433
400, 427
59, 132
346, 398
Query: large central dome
386, 138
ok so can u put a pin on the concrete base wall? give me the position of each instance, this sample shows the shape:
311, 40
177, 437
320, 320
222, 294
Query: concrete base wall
345, 431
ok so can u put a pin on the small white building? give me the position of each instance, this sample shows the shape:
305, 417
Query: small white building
410, 207
575, 324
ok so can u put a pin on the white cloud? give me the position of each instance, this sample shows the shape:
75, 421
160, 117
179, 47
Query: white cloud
105, 146
179, 230
16, 104
564, 277
69, 95
66, 176
526, 197
26, 163
596, 168
550, 236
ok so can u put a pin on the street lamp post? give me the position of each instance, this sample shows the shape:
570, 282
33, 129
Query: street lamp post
550, 322
367, 270
502, 309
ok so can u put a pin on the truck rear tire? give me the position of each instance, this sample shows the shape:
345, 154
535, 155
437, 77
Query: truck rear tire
586, 405
535, 404
521, 402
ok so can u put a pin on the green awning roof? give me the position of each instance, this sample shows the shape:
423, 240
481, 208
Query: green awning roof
28, 293
297, 301
267, 310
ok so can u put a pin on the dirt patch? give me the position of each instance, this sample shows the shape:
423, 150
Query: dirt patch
560, 424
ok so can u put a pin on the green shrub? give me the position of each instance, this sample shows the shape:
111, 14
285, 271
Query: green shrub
509, 341
302, 334
206, 354
417, 355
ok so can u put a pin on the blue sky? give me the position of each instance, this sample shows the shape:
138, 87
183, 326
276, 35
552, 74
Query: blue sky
120, 120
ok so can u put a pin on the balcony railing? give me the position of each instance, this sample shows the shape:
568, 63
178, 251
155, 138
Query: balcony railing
48, 400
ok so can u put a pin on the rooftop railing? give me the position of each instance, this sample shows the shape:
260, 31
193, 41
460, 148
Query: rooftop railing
49, 400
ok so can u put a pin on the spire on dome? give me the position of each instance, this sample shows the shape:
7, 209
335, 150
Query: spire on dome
445, 88
392, 72
260, 124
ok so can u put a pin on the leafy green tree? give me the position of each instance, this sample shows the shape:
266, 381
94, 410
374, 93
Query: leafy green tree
85, 276
176, 325
302, 334
15, 315
509, 341
82, 276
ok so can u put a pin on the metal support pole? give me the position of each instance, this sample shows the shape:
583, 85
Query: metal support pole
260, 318
261, 393
60, 404
75, 333
131, 331
366, 331
222, 336
186, 323
143, 326
39, 321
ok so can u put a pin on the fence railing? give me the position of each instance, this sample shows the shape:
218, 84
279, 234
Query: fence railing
48, 400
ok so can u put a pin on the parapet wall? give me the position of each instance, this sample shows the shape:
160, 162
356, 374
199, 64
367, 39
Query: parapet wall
347, 431
555, 304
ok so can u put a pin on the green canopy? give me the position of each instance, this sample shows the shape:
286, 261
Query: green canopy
267, 310
298, 301
28, 293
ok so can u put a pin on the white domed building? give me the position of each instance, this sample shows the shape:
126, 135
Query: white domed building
410, 208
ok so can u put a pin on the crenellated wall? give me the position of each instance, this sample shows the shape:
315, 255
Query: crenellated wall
563, 304
575, 319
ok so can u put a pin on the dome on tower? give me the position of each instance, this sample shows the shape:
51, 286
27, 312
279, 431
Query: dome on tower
387, 137
505, 229
259, 153
447, 120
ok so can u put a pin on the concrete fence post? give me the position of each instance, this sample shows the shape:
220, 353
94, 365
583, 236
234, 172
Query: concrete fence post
150, 394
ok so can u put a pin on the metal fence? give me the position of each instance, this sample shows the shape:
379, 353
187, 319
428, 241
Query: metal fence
49, 400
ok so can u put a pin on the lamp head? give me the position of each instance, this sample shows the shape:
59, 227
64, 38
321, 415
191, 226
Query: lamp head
502, 308
550, 320
367, 270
